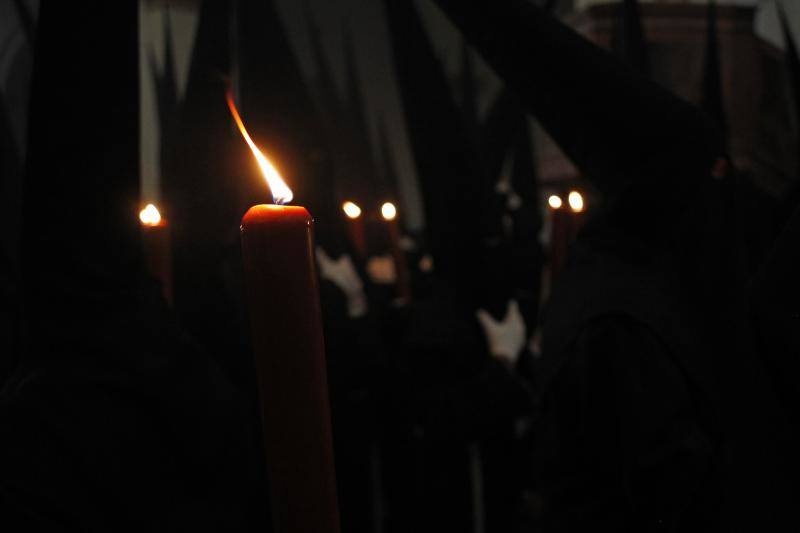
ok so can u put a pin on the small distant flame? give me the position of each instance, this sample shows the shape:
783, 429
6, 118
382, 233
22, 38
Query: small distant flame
281, 193
150, 215
575, 200
555, 201
389, 211
351, 210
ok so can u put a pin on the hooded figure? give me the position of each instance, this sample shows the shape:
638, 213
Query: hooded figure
115, 419
202, 181
278, 108
508, 149
461, 210
642, 429
339, 182
166, 84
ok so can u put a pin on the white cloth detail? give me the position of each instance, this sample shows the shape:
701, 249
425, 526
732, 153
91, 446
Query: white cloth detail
506, 338
343, 274
382, 270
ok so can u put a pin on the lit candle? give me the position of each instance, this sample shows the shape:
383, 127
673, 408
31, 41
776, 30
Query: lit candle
559, 235
389, 214
157, 250
576, 205
283, 298
358, 234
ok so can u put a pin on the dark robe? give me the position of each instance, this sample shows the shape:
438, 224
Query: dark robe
115, 419
630, 436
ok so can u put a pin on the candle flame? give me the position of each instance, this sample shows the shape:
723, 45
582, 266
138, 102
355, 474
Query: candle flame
150, 215
281, 193
351, 210
575, 200
389, 211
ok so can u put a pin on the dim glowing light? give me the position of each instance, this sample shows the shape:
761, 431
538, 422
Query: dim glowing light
351, 210
281, 193
554, 202
150, 215
575, 200
389, 211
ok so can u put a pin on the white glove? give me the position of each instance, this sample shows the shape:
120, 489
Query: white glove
381, 269
343, 274
507, 337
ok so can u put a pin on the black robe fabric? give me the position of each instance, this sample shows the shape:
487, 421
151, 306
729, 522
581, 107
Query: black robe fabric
653, 420
444, 397
115, 419
629, 437
774, 309
135, 431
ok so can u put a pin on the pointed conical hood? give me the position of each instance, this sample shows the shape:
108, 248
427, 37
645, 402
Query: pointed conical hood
25, 19
527, 256
324, 87
363, 166
201, 183
713, 99
506, 138
390, 180
793, 61
499, 131
166, 95
629, 41
166, 80
447, 165
356, 103
198, 183
625, 130
331, 110
525, 175
83, 162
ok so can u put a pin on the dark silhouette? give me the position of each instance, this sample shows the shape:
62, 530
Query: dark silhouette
115, 419
642, 428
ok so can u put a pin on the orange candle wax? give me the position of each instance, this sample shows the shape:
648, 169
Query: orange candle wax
283, 298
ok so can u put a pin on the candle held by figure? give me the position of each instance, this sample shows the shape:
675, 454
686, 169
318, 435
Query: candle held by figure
157, 248
283, 301
389, 214
358, 234
577, 205
559, 235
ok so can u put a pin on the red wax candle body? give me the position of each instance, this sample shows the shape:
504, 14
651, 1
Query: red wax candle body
283, 297
358, 236
401, 268
559, 241
158, 255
